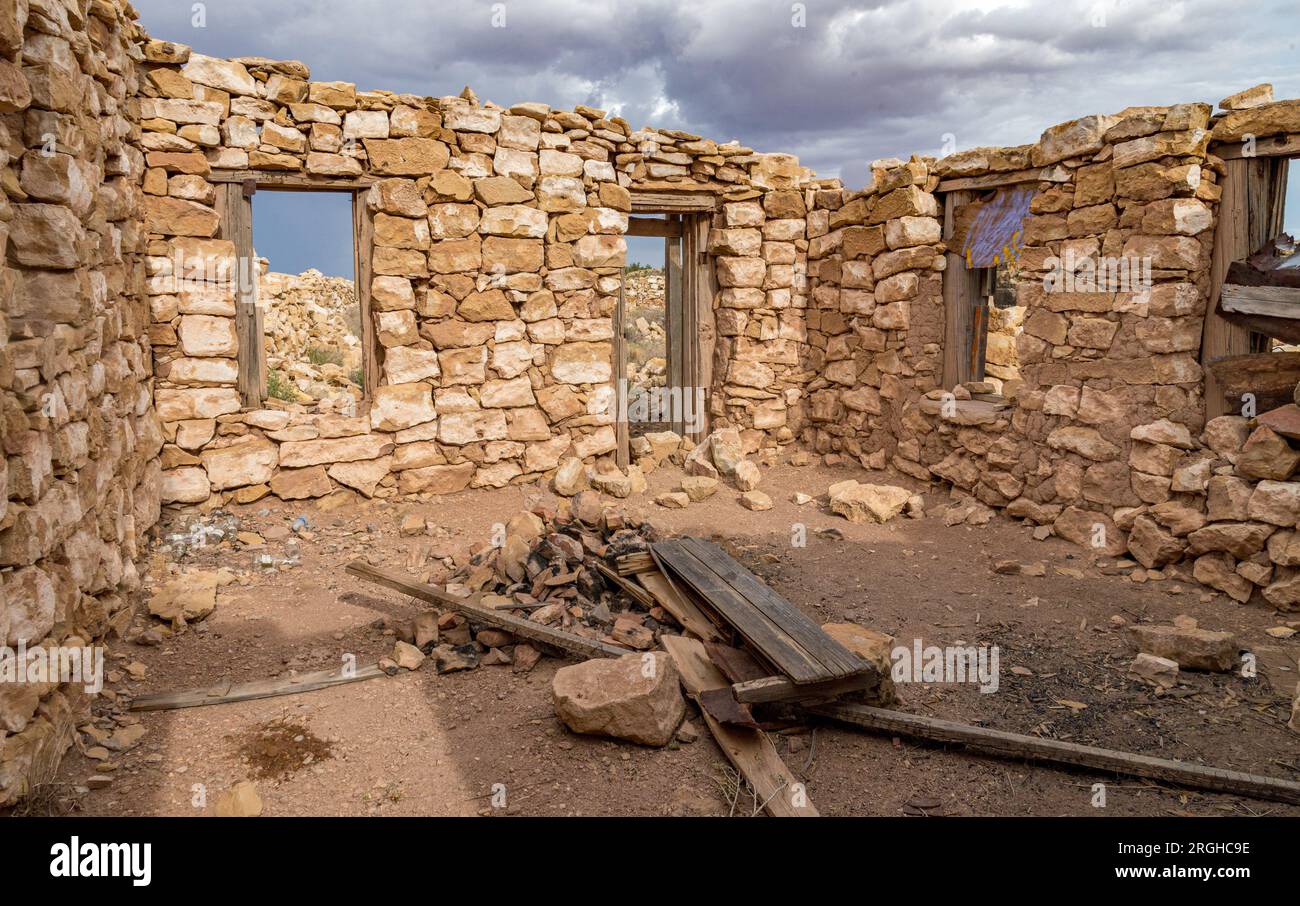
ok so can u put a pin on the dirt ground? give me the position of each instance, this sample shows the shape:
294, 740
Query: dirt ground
423, 744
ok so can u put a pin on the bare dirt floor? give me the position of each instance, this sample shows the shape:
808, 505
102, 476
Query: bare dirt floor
423, 744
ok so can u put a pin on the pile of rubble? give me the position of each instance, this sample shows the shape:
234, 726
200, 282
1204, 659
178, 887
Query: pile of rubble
556, 568
313, 343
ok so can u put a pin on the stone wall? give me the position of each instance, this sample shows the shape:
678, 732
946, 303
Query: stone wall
498, 253
80, 437
1105, 440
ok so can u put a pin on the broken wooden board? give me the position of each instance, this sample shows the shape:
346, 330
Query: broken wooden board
776, 630
1268, 301
636, 592
1016, 745
780, 689
749, 750
638, 562
682, 608
224, 693
566, 641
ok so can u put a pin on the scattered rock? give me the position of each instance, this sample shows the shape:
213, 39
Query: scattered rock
240, 801
451, 658
1188, 645
699, 487
1157, 671
756, 501
407, 656
674, 500
873, 647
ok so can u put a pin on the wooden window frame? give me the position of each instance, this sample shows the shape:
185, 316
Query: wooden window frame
235, 191
1251, 211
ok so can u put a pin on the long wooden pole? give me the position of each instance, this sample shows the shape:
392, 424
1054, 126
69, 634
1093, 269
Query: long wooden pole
1015, 745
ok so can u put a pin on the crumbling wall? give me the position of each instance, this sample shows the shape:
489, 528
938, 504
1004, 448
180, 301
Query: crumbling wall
80, 436
498, 252
1105, 440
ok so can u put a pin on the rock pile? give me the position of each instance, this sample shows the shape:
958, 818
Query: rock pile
555, 568
313, 338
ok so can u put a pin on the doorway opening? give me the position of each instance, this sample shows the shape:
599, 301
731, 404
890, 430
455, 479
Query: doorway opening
663, 330
311, 330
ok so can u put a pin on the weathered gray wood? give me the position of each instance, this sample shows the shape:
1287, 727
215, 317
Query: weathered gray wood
225, 693
363, 243
1016, 745
674, 321
236, 213
644, 202
622, 438
470, 607
653, 226
1272, 146
960, 294
291, 182
780, 689
748, 749
995, 180
1270, 301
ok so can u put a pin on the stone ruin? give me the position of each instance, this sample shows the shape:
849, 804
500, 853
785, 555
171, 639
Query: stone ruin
497, 255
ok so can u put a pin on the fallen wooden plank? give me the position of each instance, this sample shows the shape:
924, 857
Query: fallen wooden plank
635, 591
1016, 745
224, 693
631, 564
749, 750
771, 625
682, 608
566, 641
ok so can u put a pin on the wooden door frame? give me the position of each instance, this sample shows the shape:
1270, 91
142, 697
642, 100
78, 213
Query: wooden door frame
235, 191
692, 349
961, 288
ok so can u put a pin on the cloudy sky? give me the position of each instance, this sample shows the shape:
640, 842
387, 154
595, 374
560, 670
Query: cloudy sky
838, 82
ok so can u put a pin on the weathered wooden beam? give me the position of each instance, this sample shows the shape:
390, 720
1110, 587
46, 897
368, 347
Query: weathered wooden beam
748, 749
225, 693
654, 226
780, 689
1273, 146
994, 180
1033, 748
1269, 301
667, 202
293, 182
470, 607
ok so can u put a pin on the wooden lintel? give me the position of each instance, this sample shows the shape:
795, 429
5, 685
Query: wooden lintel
994, 180
1272, 146
667, 202
293, 182
1270, 301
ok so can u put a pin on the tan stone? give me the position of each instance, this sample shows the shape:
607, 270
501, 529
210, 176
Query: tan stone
636, 697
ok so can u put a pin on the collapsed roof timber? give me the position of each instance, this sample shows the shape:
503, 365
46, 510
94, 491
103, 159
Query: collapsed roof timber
1142, 420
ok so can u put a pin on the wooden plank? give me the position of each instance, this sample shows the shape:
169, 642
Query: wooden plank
808, 635
1219, 336
566, 641
622, 438
644, 202
292, 182
674, 324
363, 245
654, 226
764, 636
702, 290
1270, 378
225, 693
682, 608
236, 214
636, 592
749, 750
1016, 745
1270, 301
780, 689
995, 180
960, 290
638, 562
1273, 146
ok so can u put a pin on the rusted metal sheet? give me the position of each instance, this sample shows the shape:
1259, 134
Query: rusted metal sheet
721, 705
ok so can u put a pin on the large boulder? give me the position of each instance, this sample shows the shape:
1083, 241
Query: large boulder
636, 697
